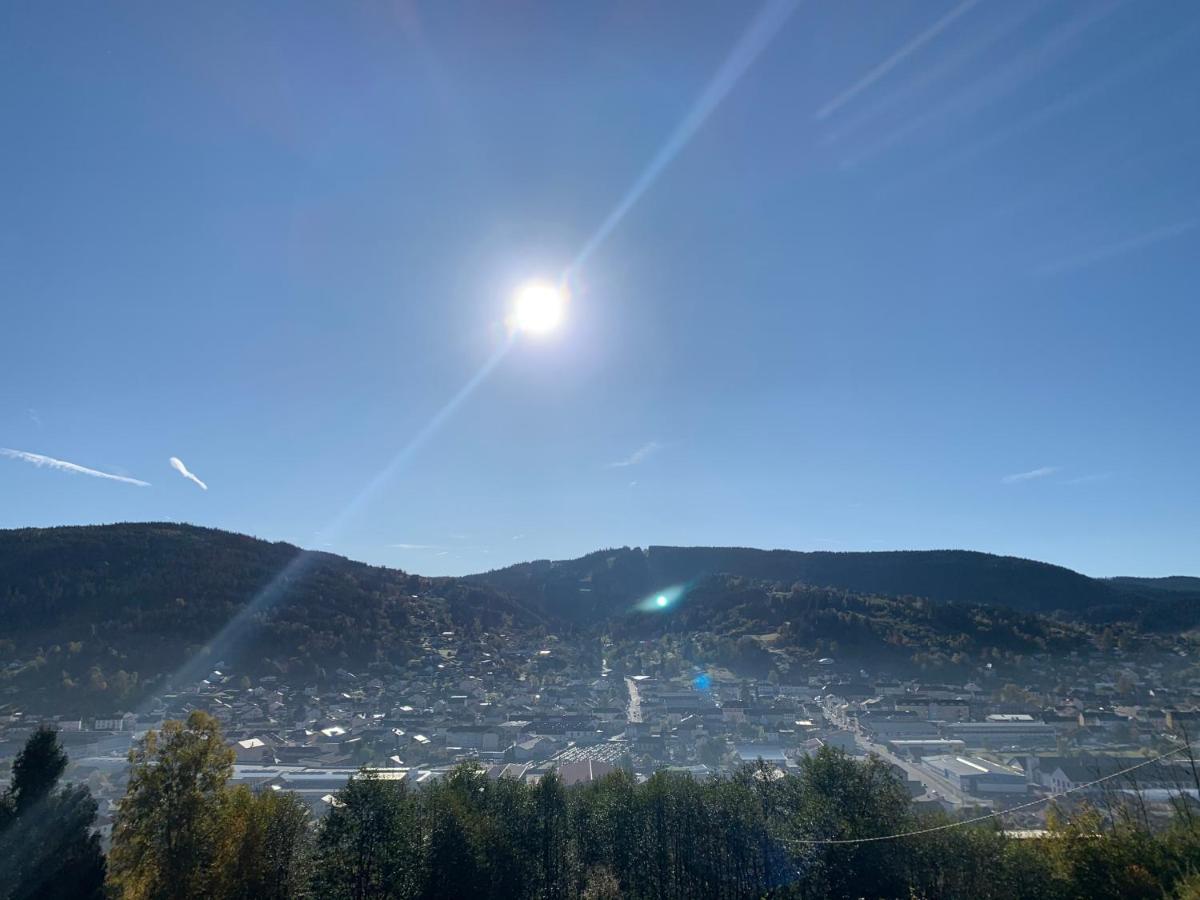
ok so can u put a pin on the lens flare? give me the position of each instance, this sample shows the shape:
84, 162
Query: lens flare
661, 601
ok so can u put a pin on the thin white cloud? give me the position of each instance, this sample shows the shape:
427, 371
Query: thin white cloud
415, 546
62, 465
637, 456
1030, 475
1090, 479
178, 466
34, 417
960, 55
895, 59
1099, 254
999, 82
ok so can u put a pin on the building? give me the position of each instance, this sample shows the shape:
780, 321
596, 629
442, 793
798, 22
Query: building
1025, 734
926, 747
883, 727
583, 770
973, 775
1060, 774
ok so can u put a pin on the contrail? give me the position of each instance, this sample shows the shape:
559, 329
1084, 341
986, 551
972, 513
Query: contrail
1031, 475
1130, 68
1146, 239
753, 41
894, 60
63, 466
637, 456
178, 466
962, 53
1000, 81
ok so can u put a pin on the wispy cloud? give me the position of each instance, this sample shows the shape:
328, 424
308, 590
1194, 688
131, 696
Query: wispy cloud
62, 465
178, 466
1099, 254
640, 455
962, 53
1032, 474
895, 59
1000, 81
34, 417
415, 547
1096, 89
1090, 479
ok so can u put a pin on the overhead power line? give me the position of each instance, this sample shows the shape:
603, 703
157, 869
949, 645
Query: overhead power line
977, 819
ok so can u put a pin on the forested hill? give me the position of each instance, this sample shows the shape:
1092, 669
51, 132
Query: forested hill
599, 584
91, 614
1184, 584
96, 611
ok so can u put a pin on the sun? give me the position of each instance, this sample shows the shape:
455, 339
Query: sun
662, 600
538, 307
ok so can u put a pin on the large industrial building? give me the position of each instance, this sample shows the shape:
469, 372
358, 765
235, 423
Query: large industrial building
973, 775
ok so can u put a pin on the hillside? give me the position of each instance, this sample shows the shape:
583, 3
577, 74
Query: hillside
599, 584
756, 627
1183, 584
96, 615
93, 613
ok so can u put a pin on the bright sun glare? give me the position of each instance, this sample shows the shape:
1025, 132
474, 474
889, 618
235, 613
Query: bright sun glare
539, 307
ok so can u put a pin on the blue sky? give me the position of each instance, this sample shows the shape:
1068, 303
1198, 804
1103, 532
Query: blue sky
908, 275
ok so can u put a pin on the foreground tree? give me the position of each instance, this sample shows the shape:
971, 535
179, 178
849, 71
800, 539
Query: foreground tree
368, 845
165, 836
47, 847
263, 848
182, 832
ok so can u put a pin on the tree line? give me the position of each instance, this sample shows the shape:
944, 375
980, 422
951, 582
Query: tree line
183, 831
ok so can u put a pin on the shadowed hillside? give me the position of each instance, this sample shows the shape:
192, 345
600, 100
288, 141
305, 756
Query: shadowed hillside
606, 582
93, 613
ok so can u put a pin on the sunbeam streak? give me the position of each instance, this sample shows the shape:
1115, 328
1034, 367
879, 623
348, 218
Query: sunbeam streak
532, 318
224, 641
754, 40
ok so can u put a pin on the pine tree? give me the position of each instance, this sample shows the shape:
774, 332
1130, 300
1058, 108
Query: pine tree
47, 848
368, 845
36, 769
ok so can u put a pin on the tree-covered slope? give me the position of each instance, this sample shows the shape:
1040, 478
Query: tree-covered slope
94, 612
1182, 584
601, 583
757, 627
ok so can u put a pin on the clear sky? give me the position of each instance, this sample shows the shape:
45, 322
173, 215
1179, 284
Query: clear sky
896, 275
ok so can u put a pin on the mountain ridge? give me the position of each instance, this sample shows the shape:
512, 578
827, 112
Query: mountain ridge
95, 615
962, 576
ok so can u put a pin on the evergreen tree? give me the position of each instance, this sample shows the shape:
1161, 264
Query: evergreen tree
36, 769
47, 848
368, 845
